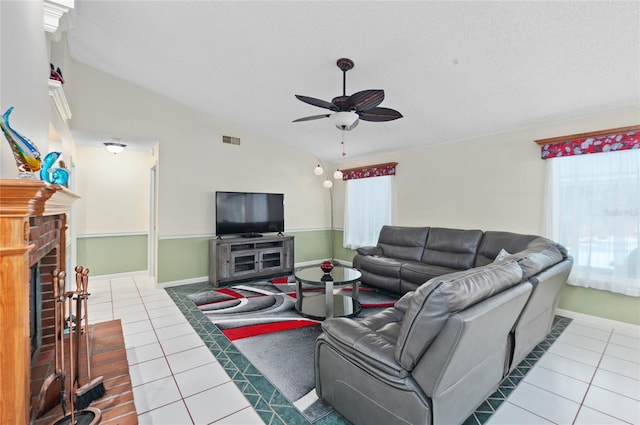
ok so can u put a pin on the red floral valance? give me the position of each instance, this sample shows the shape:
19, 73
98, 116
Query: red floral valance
377, 170
615, 139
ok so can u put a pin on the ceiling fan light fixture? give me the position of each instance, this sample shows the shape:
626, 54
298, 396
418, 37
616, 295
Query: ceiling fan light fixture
114, 147
343, 120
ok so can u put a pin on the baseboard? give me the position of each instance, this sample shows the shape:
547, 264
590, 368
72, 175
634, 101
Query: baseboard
164, 285
598, 321
121, 275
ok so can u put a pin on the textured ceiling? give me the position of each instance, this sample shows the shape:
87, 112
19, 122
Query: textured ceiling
453, 69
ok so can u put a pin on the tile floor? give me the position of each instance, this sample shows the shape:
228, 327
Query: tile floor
590, 375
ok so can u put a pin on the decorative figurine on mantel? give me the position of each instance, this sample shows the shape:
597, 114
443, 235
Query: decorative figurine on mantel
26, 153
49, 174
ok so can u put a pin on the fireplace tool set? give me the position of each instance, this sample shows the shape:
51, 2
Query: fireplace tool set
54, 388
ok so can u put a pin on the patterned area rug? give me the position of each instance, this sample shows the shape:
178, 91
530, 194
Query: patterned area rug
261, 320
271, 356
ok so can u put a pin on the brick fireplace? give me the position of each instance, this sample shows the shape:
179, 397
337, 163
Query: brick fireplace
46, 236
32, 243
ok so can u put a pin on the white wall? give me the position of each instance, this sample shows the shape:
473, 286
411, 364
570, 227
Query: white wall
115, 191
24, 74
193, 163
491, 183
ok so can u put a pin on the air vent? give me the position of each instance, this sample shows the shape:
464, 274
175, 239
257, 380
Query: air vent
230, 140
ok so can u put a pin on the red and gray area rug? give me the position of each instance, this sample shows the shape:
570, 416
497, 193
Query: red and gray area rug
260, 319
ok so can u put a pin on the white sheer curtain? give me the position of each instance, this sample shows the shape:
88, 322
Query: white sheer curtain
593, 208
368, 206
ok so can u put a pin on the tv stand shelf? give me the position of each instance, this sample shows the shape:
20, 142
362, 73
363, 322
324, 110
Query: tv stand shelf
242, 258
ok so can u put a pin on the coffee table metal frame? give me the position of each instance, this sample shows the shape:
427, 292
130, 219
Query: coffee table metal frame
339, 276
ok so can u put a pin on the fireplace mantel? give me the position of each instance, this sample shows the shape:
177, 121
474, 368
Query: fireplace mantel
20, 200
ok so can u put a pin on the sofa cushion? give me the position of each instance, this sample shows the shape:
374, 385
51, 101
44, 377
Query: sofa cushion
541, 255
492, 242
381, 266
433, 303
453, 248
371, 340
403, 243
420, 273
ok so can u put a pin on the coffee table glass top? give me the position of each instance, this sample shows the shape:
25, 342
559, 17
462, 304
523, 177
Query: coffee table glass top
340, 275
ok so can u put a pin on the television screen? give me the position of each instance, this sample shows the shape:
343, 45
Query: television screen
249, 214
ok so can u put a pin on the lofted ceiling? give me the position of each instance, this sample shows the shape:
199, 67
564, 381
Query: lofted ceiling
454, 69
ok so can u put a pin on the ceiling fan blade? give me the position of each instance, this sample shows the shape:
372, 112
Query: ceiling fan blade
380, 114
313, 117
365, 100
317, 102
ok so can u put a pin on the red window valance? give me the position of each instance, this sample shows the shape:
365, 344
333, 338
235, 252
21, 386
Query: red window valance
614, 139
377, 170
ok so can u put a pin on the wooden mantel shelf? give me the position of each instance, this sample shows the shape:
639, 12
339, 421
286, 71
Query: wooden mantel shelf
27, 198
20, 200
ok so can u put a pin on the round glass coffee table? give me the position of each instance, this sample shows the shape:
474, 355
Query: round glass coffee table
324, 305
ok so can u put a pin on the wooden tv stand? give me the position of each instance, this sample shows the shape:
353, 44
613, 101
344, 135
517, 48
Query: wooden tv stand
234, 259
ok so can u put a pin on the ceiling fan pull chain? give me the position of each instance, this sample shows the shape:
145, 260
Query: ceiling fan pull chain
343, 152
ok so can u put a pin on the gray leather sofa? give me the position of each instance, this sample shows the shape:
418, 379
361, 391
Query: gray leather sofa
465, 320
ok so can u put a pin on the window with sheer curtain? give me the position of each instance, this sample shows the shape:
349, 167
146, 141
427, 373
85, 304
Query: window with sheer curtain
593, 208
368, 204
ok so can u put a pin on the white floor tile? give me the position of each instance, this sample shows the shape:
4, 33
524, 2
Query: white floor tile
625, 341
543, 403
588, 416
174, 331
133, 317
557, 383
189, 359
136, 327
216, 403
244, 417
181, 343
99, 308
128, 301
510, 414
567, 367
613, 404
144, 353
575, 353
617, 383
159, 304
155, 394
164, 311
201, 378
171, 414
140, 339
587, 331
156, 296
103, 316
621, 367
585, 342
164, 321
624, 353
149, 371
127, 310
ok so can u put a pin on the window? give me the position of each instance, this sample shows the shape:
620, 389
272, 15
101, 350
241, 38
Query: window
368, 204
593, 208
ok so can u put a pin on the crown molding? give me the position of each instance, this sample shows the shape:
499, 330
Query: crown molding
55, 12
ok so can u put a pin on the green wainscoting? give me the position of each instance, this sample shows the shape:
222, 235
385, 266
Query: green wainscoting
106, 255
188, 258
598, 303
183, 259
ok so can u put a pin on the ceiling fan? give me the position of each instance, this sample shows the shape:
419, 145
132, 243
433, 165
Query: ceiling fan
349, 110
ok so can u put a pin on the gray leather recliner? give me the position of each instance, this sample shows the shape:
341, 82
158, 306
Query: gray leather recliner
432, 358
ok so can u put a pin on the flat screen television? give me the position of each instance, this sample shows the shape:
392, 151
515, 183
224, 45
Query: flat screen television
249, 214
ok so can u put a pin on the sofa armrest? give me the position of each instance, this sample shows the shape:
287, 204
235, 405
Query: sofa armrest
369, 250
370, 349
